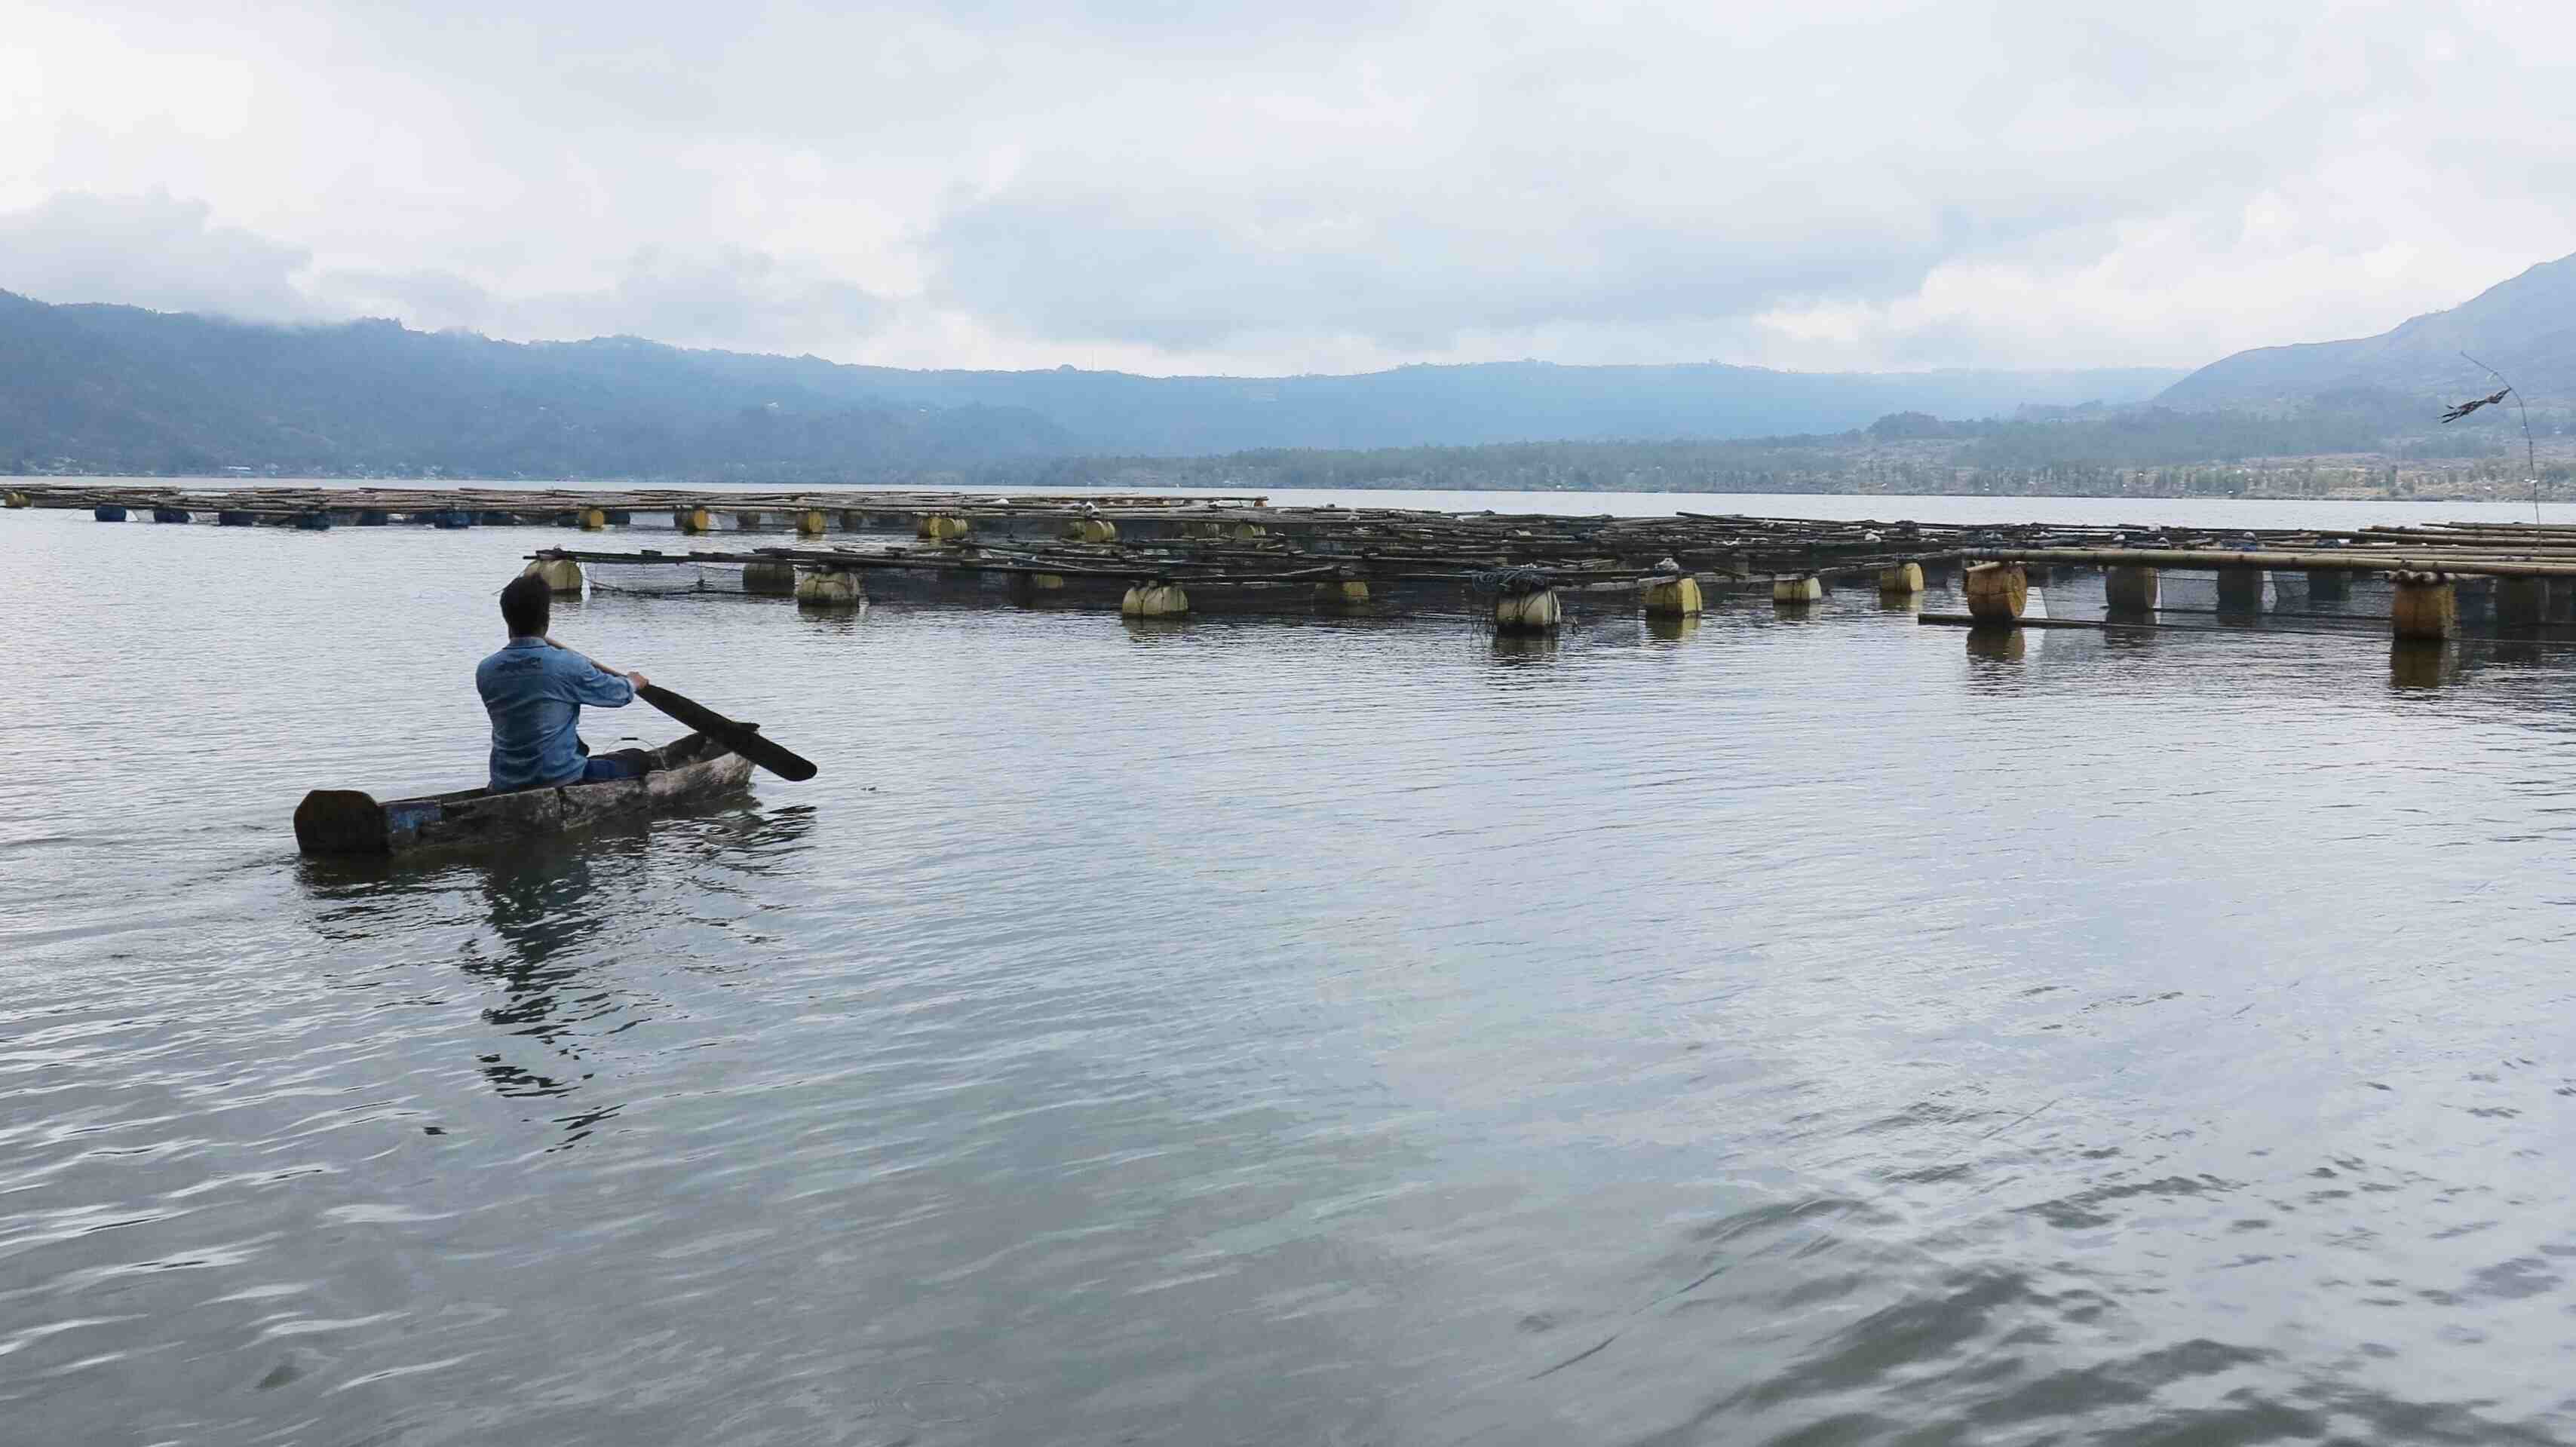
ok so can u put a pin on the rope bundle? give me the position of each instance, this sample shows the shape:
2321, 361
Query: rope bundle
1512, 582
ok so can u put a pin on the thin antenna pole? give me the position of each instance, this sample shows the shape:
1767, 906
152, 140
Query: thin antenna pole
2530, 456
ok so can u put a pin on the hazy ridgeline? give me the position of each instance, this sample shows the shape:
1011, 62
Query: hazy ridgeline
115, 389
2091, 451
120, 390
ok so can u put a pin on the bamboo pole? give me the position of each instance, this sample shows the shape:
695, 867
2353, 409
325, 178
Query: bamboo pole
2346, 560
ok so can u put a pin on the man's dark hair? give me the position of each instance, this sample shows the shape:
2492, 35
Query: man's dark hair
527, 605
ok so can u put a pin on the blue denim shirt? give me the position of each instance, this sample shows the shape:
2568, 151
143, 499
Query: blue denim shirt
535, 693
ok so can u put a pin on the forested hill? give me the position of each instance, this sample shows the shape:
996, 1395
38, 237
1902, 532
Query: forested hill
113, 388
2525, 327
1492, 402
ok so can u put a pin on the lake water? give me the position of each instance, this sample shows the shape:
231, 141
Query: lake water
1793, 1029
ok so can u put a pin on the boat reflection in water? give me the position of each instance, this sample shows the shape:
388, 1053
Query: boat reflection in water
548, 909
547, 920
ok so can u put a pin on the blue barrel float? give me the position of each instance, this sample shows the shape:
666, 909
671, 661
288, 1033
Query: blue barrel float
493, 518
619, 517
108, 512
451, 520
373, 517
313, 522
233, 519
172, 515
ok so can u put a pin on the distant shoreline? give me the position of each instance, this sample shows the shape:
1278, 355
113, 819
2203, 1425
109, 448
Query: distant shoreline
2553, 493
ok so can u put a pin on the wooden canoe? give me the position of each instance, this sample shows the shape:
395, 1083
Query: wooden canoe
344, 821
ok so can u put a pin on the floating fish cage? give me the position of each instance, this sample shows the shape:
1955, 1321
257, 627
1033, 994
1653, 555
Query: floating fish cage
1164, 556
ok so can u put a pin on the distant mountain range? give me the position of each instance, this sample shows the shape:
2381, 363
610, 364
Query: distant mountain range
101, 387
113, 388
121, 389
2525, 328
1483, 403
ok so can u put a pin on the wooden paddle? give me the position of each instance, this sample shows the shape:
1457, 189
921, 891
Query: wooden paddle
743, 739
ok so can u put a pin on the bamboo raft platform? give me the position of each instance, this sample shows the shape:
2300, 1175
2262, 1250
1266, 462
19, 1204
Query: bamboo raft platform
504, 507
1531, 576
1156, 553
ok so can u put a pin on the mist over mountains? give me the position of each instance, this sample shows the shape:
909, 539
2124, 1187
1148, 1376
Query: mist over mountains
116, 388
108, 388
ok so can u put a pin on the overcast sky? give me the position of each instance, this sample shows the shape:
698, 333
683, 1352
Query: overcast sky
1167, 186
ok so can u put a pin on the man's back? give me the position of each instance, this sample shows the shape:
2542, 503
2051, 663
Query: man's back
534, 693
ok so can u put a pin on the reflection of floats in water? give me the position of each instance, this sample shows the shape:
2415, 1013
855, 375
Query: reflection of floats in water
1524, 648
1153, 629
831, 619
1999, 645
2420, 663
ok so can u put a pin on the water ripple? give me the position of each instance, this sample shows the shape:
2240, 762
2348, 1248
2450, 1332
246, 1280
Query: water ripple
1783, 1030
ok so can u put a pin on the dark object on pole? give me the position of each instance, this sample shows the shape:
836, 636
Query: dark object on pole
2464, 409
2530, 454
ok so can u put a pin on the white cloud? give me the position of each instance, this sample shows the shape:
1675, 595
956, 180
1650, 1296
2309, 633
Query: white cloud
687, 300
153, 251
71, 87
1171, 187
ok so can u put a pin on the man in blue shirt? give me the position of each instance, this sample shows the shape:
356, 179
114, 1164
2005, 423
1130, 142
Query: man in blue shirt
535, 691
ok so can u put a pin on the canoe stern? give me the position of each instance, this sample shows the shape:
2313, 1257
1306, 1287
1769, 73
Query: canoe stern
340, 821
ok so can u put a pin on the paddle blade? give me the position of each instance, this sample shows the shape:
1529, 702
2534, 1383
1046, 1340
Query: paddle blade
784, 762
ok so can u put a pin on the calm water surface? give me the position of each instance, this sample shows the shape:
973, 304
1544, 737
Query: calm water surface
1800, 1030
